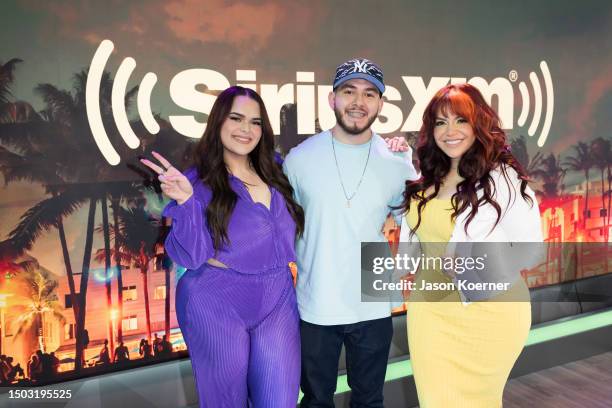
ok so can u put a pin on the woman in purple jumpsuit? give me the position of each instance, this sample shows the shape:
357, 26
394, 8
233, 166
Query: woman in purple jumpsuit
234, 224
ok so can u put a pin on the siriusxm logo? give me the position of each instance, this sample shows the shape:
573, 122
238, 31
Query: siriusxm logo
310, 99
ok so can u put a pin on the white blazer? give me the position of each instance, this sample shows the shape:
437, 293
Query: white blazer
519, 222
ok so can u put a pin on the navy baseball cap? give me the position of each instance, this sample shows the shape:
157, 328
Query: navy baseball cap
360, 68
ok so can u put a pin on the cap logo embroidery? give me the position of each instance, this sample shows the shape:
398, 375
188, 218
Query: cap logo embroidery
360, 66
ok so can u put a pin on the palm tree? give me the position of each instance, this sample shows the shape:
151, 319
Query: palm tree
117, 192
139, 232
13, 265
167, 266
107, 264
582, 161
57, 150
10, 265
601, 151
551, 174
7, 76
47, 214
609, 192
115, 205
521, 153
40, 300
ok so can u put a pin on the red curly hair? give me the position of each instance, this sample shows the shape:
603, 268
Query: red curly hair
489, 151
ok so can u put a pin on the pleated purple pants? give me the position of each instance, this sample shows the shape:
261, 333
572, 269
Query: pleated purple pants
242, 333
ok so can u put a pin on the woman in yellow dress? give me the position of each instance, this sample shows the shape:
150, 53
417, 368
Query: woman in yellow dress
472, 190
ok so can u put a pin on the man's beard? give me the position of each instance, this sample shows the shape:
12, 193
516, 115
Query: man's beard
354, 130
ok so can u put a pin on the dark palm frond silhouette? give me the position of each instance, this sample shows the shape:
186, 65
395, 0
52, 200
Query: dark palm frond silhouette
581, 161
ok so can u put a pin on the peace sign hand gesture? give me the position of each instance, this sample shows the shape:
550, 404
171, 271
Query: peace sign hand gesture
173, 183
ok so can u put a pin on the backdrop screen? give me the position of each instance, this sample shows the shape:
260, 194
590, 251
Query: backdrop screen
86, 89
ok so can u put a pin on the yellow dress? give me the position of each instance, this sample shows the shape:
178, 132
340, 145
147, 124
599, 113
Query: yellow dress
461, 355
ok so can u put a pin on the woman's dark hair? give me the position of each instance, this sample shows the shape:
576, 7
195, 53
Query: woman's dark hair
208, 160
488, 152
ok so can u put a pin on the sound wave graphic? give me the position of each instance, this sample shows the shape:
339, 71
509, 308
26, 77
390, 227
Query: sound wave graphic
92, 101
537, 108
127, 66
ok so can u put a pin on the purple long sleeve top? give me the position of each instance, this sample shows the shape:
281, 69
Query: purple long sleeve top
259, 238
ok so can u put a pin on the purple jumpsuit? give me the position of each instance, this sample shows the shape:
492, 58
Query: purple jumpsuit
241, 323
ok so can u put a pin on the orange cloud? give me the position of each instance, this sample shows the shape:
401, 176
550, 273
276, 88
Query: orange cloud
241, 25
183, 30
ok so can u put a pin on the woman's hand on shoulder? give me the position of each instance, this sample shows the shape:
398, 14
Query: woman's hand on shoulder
174, 184
397, 144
